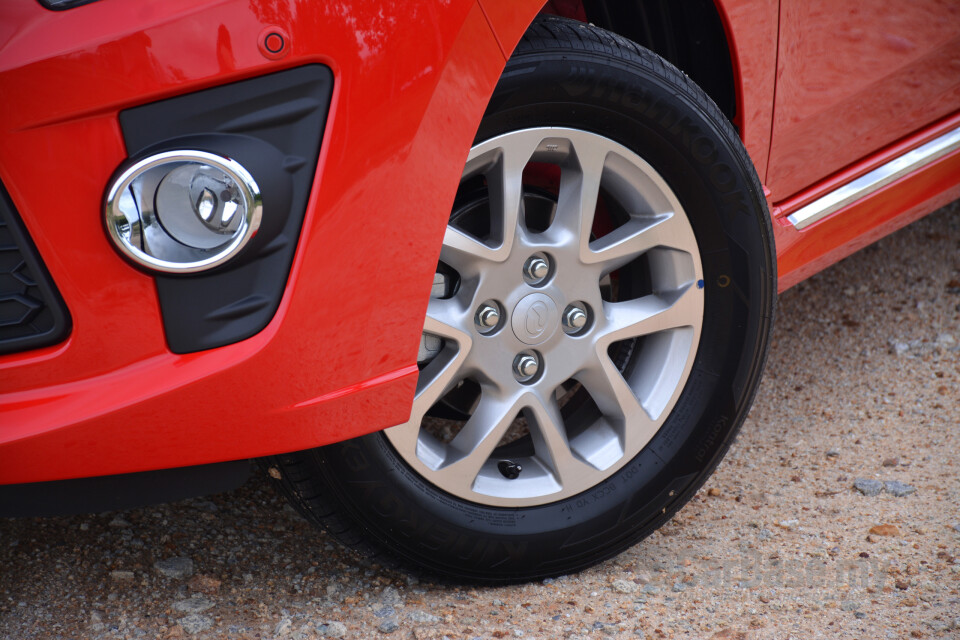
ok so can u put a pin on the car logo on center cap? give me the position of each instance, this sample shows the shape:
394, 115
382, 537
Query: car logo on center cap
535, 318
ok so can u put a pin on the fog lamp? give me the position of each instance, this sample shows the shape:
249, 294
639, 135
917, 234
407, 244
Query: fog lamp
183, 211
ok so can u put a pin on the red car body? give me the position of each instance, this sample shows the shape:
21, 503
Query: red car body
825, 93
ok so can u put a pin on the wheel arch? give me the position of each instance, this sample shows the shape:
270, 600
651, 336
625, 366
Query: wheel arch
728, 47
690, 34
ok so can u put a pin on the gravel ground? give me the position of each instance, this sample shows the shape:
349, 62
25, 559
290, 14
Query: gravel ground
861, 388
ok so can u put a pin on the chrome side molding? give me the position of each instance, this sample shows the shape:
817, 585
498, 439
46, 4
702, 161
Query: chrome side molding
874, 180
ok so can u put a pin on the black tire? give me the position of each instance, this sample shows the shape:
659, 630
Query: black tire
568, 74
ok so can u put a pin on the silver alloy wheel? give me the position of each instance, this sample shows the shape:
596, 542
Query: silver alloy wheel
633, 402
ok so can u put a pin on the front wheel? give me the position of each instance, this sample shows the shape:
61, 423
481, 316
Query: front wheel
595, 335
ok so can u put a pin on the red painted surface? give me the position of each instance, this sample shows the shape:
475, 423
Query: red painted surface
751, 27
338, 360
410, 86
854, 76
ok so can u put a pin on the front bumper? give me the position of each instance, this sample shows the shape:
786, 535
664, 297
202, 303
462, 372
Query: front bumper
338, 357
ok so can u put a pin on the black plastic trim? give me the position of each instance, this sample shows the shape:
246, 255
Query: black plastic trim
123, 491
24, 281
285, 112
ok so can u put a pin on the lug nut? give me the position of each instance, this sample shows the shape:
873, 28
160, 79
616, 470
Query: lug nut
488, 316
525, 366
536, 269
574, 318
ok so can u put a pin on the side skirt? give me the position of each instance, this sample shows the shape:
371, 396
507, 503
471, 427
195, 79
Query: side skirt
867, 201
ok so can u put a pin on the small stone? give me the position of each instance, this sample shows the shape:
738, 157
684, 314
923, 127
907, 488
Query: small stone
204, 584
956, 527
390, 596
729, 634
833, 453
175, 567
909, 602
426, 633
384, 612
422, 617
678, 587
903, 585
84, 526
849, 605
713, 492
624, 586
284, 627
868, 487
899, 489
885, 530
788, 524
899, 348
205, 505
937, 626
890, 462
119, 523
196, 604
332, 629
388, 626
946, 339
872, 538
859, 615
122, 576
195, 623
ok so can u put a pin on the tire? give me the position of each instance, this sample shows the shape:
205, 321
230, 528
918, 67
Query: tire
627, 409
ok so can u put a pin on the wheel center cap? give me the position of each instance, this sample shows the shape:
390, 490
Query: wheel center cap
535, 318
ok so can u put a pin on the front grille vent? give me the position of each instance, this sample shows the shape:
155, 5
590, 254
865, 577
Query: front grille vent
32, 313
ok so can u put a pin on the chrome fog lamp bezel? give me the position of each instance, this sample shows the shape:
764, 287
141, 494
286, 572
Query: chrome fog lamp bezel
126, 234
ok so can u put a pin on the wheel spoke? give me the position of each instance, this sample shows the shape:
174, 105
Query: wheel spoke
438, 377
579, 192
475, 442
443, 319
617, 401
653, 313
503, 169
550, 441
505, 183
465, 253
624, 244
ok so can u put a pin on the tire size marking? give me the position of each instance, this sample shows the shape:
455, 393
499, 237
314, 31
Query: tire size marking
590, 498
